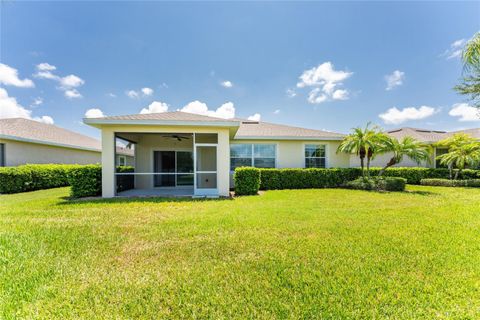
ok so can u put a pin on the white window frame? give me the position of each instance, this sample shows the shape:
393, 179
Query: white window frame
315, 144
252, 157
120, 158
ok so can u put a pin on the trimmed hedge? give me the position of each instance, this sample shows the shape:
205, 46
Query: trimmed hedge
475, 183
86, 181
247, 181
34, 177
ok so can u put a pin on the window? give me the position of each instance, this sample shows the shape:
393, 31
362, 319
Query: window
2, 154
122, 160
315, 156
252, 155
439, 152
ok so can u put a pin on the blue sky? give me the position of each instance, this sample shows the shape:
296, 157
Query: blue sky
316, 65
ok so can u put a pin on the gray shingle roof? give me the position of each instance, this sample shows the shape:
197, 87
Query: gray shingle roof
265, 130
426, 135
38, 132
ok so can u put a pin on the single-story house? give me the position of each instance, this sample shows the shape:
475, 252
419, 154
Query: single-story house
424, 135
25, 141
189, 154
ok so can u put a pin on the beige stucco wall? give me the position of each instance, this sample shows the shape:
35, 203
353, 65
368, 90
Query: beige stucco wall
18, 153
382, 160
144, 154
291, 153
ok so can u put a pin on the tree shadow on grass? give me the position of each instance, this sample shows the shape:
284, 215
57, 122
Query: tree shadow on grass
65, 201
422, 192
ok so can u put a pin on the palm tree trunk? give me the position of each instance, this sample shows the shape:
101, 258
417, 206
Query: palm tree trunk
389, 164
368, 167
457, 173
362, 164
450, 170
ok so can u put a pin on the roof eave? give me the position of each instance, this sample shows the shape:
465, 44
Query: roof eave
94, 122
287, 138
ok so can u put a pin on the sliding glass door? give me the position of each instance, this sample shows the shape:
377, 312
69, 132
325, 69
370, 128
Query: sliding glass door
175, 168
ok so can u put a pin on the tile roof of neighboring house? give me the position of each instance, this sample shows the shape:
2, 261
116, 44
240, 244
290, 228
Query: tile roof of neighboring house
37, 132
247, 129
265, 130
426, 135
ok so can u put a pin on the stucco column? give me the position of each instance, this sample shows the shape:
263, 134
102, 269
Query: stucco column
108, 163
223, 163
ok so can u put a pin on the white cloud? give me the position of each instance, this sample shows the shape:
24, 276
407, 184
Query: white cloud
455, 50
465, 112
9, 77
155, 107
255, 117
395, 79
37, 101
324, 79
71, 81
67, 83
396, 116
44, 119
147, 91
94, 113
225, 111
111, 95
10, 108
226, 84
322, 74
316, 96
277, 111
340, 94
72, 94
45, 67
143, 92
290, 93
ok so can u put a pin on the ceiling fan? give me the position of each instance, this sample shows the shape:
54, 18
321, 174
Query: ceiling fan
176, 136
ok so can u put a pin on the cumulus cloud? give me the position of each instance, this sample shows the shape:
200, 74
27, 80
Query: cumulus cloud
324, 81
44, 119
72, 94
9, 77
67, 84
147, 91
255, 117
455, 50
225, 111
10, 108
277, 111
136, 94
94, 113
155, 107
226, 84
395, 79
36, 102
465, 112
397, 116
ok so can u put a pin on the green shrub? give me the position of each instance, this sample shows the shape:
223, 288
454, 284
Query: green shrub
475, 183
380, 184
86, 181
33, 177
247, 181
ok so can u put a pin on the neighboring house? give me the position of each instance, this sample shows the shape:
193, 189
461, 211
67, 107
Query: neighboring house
424, 135
25, 141
197, 154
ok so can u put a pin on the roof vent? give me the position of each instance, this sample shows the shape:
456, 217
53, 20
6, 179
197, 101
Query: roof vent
250, 122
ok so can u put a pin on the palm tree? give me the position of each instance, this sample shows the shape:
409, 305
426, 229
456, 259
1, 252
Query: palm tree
408, 146
463, 150
470, 85
363, 143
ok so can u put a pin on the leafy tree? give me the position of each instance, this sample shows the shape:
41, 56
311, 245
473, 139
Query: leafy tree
463, 150
363, 143
470, 85
407, 147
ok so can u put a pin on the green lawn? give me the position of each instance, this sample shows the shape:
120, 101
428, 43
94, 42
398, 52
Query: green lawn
285, 254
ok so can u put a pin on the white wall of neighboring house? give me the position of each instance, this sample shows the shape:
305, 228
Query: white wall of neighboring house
382, 160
